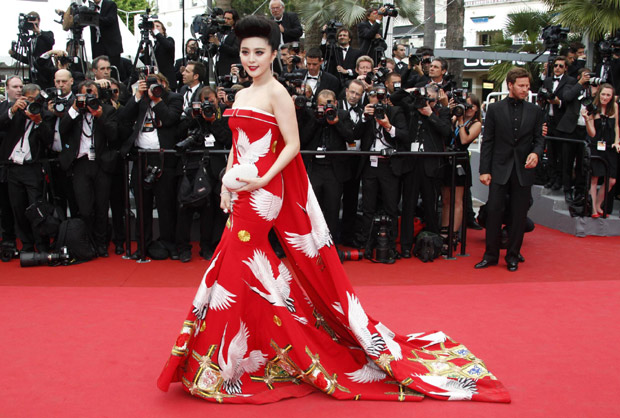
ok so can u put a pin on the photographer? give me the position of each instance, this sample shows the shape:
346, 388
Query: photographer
369, 33
330, 128
288, 22
102, 74
206, 129
27, 133
155, 112
13, 90
363, 67
429, 125
193, 76
556, 96
88, 131
228, 45
106, 38
291, 58
62, 100
38, 43
316, 79
576, 58
399, 54
418, 67
385, 130
164, 52
54, 60
341, 58
191, 54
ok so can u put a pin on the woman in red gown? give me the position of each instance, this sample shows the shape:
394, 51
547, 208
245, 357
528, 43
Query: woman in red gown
258, 330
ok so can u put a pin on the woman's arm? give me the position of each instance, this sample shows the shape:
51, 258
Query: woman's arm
616, 143
590, 129
284, 111
474, 130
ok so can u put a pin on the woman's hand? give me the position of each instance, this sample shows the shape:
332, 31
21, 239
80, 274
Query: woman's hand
226, 201
252, 184
616, 146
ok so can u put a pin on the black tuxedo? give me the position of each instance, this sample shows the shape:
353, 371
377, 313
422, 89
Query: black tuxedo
7, 221
195, 96
326, 81
335, 59
40, 137
40, 45
366, 32
292, 27
110, 42
503, 155
164, 54
228, 54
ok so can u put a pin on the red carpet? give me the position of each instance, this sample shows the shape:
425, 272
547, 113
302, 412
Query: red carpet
90, 340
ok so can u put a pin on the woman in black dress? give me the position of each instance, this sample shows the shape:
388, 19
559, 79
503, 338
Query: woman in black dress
465, 129
602, 128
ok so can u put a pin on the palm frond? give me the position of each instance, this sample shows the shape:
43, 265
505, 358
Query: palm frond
409, 9
349, 12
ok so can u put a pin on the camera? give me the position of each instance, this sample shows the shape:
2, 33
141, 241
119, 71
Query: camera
8, 251
610, 46
84, 15
596, 81
460, 99
153, 173
37, 106
588, 103
544, 94
295, 47
25, 22
32, 259
331, 113
242, 73
146, 24
379, 240
84, 101
59, 103
554, 35
194, 140
420, 97
390, 10
377, 77
302, 101
206, 25
331, 31
153, 86
203, 108
227, 80
144, 72
230, 95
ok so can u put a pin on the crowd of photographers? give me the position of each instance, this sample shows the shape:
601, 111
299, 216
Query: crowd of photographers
66, 135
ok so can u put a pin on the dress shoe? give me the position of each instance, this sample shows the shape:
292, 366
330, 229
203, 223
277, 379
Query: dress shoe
102, 251
174, 255
207, 254
568, 196
549, 184
405, 253
556, 186
472, 224
119, 250
521, 258
185, 256
512, 265
484, 264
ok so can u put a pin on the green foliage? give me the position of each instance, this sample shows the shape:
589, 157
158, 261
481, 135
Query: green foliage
597, 17
130, 6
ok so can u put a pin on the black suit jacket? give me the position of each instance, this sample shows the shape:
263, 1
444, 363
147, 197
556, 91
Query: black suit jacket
326, 82
400, 142
164, 53
292, 27
105, 137
229, 54
503, 149
110, 43
366, 32
333, 61
41, 136
167, 117
195, 95
565, 93
572, 106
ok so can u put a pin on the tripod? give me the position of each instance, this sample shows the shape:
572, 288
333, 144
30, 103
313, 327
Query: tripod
148, 55
23, 55
331, 55
78, 49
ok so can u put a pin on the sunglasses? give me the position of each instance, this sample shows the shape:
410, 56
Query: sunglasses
558, 65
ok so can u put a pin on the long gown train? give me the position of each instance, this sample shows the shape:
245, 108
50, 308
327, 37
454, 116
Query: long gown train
258, 332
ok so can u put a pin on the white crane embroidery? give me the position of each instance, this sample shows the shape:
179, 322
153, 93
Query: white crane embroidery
266, 204
311, 243
250, 152
388, 337
215, 297
369, 373
434, 338
278, 288
372, 344
461, 389
236, 363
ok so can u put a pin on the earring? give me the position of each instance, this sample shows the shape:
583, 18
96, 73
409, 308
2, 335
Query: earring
271, 67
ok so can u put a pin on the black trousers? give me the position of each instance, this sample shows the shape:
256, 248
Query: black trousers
554, 156
328, 191
350, 200
117, 205
25, 187
7, 220
212, 221
519, 202
91, 186
415, 184
572, 158
380, 184
62, 185
164, 193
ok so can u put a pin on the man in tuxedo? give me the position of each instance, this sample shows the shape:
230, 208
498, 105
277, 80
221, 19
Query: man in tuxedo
88, 131
40, 42
380, 174
106, 38
342, 57
193, 76
26, 136
512, 147
14, 86
288, 22
191, 54
156, 122
399, 54
61, 182
370, 36
228, 45
563, 88
164, 52
316, 79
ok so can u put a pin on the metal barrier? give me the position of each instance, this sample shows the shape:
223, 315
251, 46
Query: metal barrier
451, 155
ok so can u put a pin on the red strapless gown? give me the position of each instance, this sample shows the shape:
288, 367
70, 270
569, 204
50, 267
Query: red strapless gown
259, 331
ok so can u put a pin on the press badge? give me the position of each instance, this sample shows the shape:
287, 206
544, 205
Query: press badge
19, 156
374, 161
91, 154
415, 146
351, 146
209, 141
601, 145
320, 155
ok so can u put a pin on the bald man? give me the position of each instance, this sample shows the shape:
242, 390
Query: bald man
61, 182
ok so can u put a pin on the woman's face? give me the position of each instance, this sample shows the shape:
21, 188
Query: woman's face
473, 109
256, 56
606, 95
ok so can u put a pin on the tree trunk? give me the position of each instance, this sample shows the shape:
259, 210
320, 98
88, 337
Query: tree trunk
454, 37
429, 23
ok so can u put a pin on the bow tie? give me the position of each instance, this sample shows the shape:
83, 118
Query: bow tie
557, 78
279, 21
97, 7
311, 77
343, 49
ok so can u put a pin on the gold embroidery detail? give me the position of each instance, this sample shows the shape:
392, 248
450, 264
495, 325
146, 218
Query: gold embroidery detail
277, 320
244, 236
273, 146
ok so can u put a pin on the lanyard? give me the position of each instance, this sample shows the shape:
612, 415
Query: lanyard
28, 125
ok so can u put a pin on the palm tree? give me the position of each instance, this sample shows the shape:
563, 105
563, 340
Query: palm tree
314, 14
429, 23
454, 36
598, 18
